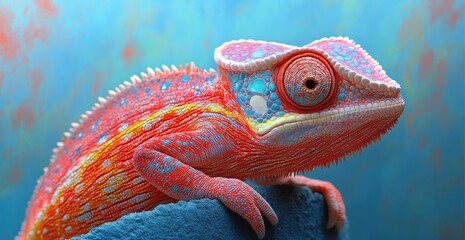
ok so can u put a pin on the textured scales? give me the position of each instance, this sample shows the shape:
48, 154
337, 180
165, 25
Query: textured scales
180, 134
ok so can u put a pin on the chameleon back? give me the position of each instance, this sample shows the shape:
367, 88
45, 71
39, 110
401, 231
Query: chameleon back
91, 175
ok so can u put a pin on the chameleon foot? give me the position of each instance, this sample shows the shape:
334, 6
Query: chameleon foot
336, 209
244, 200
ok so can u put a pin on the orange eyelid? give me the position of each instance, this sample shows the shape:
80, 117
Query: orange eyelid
278, 76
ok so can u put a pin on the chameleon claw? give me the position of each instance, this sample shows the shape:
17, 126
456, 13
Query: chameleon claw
266, 209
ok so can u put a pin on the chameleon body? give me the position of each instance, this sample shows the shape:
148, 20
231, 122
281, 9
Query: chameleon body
271, 110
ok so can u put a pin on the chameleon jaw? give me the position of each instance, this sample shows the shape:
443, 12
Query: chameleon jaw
386, 108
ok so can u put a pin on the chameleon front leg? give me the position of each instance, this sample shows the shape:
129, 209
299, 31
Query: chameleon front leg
336, 208
168, 163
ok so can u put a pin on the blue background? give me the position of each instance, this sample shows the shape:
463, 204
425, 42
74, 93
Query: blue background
56, 58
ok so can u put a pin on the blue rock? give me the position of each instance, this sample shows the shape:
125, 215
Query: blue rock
301, 213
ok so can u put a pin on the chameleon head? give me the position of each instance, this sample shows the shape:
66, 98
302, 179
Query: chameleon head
322, 101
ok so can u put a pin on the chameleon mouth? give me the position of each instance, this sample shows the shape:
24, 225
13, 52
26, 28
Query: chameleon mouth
382, 108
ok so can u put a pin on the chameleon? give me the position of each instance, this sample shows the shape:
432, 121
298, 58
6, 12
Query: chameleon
269, 113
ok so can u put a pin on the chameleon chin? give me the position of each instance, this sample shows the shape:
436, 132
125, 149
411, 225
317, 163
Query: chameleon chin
269, 112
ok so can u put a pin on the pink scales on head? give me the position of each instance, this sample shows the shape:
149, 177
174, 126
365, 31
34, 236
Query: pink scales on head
249, 50
353, 57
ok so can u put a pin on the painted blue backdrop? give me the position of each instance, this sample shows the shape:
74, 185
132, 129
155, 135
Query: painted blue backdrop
56, 58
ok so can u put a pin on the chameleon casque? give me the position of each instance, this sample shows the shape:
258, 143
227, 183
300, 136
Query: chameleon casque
271, 110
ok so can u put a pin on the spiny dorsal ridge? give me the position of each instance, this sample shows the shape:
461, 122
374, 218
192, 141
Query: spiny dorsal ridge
174, 68
150, 72
113, 94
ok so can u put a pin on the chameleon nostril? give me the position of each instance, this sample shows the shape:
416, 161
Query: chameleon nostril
310, 83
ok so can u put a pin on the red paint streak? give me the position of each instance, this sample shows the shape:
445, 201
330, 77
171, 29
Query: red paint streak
441, 66
35, 30
439, 80
426, 59
410, 124
30, 34
23, 114
6, 153
46, 7
440, 7
443, 109
97, 82
9, 44
128, 53
25, 59
445, 8
41, 108
25, 10
455, 15
436, 156
14, 174
412, 22
422, 142
2, 77
37, 78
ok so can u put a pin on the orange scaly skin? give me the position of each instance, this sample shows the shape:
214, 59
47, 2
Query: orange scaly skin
180, 134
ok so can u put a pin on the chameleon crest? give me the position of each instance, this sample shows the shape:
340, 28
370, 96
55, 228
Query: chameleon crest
271, 110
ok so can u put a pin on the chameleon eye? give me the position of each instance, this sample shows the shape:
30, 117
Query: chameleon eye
306, 82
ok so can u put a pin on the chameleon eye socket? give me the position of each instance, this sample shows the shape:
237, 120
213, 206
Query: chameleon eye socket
306, 82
